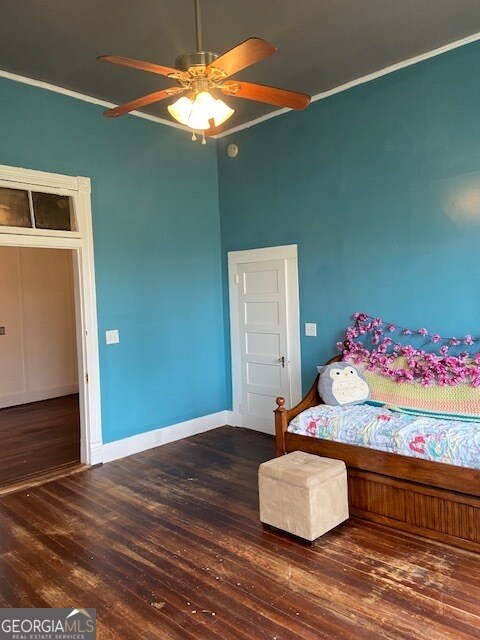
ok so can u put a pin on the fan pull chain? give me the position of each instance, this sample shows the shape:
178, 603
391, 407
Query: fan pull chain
194, 137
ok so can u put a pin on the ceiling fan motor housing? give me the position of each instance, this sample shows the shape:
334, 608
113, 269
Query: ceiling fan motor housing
195, 59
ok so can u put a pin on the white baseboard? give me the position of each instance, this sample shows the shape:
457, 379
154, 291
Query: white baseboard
96, 454
24, 397
269, 430
234, 418
157, 437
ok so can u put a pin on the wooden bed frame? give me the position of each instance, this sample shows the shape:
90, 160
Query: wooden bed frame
430, 499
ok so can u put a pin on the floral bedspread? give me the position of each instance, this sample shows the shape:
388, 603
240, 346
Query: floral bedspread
442, 440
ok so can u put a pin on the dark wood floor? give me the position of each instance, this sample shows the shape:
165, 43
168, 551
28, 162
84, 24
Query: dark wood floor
167, 545
38, 437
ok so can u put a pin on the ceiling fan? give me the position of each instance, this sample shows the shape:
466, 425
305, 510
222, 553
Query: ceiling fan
201, 76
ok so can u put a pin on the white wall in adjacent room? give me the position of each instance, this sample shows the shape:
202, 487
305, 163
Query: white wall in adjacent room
38, 357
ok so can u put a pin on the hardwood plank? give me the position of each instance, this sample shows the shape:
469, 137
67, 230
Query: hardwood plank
44, 477
39, 437
161, 541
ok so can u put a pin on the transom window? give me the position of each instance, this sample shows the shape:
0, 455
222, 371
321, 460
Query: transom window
36, 210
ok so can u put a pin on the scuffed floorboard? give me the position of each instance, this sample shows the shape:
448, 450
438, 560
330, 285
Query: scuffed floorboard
167, 545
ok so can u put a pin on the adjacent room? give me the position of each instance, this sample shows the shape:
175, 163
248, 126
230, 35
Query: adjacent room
39, 401
240, 320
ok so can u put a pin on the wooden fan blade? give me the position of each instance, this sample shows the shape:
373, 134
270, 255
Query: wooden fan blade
143, 66
243, 55
270, 95
142, 102
213, 131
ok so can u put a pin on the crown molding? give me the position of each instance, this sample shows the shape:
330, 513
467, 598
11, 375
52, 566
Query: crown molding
362, 80
474, 37
85, 98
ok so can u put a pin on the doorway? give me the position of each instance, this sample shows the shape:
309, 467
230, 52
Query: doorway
39, 401
52, 212
265, 333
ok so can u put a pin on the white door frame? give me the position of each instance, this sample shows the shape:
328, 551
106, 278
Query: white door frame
289, 254
81, 244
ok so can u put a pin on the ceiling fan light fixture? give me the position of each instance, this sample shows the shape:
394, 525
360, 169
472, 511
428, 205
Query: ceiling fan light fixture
200, 73
222, 112
181, 110
196, 114
202, 111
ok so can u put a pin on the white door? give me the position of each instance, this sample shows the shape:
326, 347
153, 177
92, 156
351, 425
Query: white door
263, 337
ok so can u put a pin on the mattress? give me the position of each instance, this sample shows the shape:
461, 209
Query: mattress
445, 440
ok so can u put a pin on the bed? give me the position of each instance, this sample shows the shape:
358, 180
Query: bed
434, 491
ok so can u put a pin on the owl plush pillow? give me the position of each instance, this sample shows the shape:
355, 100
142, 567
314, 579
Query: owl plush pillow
340, 383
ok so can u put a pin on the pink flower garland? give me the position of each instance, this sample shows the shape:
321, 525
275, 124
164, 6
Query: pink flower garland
424, 367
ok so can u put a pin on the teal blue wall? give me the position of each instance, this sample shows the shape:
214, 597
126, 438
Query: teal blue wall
380, 188
157, 251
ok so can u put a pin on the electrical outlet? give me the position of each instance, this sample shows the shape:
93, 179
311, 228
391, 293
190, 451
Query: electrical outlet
311, 329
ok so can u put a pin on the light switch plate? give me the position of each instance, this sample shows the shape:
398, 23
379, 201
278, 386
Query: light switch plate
311, 329
112, 336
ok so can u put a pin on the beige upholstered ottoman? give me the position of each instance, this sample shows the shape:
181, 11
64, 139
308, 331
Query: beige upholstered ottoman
303, 494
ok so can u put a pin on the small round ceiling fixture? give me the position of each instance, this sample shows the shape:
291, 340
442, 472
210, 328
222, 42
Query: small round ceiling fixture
232, 150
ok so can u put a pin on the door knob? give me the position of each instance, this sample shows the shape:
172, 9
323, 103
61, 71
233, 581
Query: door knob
282, 360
